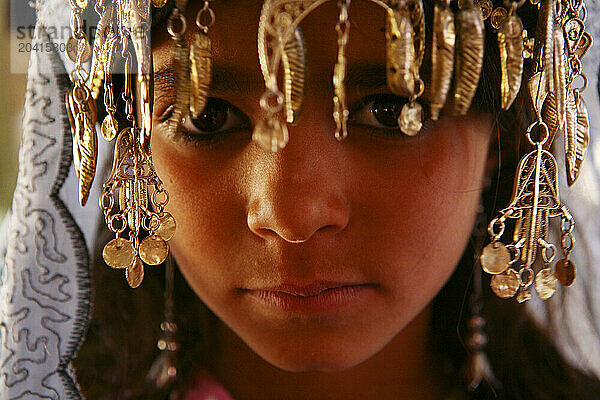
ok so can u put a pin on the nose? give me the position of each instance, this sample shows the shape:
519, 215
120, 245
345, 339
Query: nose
297, 193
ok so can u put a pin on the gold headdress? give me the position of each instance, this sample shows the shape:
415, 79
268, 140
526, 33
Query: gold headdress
457, 50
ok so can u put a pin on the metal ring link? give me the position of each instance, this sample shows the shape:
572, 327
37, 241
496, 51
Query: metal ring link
111, 223
157, 202
491, 226
76, 23
547, 247
567, 225
211, 15
544, 128
171, 24
530, 276
567, 241
271, 94
517, 253
111, 201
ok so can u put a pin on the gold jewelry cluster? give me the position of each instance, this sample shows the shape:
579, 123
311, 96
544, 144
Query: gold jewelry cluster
133, 198
556, 51
457, 50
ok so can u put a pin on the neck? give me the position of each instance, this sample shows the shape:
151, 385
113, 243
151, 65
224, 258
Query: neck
404, 368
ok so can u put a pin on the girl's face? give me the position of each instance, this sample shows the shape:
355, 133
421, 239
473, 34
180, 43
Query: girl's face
318, 255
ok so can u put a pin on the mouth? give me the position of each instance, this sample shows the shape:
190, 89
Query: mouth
316, 297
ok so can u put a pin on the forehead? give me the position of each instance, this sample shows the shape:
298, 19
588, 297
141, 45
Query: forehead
234, 33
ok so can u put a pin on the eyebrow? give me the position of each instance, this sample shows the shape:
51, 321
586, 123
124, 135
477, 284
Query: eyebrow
227, 78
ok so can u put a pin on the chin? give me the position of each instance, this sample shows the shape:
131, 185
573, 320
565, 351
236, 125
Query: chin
316, 353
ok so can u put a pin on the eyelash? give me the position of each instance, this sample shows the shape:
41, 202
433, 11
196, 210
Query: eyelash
190, 133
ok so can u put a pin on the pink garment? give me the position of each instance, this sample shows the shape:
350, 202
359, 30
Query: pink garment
207, 387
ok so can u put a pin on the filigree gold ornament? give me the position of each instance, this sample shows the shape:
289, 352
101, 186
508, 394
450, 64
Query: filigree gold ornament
201, 61
280, 41
486, 7
469, 56
534, 201
577, 135
126, 22
132, 176
442, 56
159, 3
573, 30
510, 42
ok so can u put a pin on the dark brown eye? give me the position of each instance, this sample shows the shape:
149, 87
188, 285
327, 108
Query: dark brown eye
213, 116
386, 110
218, 116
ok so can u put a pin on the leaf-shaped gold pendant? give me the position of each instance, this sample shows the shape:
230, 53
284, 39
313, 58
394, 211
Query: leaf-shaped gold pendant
510, 42
469, 57
82, 115
550, 118
181, 61
294, 68
400, 52
538, 90
442, 57
559, 75
200, 69
544, 35
104, 30
577, 135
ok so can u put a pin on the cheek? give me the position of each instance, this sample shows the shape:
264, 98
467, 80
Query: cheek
417, 209
204, 200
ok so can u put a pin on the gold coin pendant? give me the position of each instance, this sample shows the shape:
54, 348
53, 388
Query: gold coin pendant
495, 258
118, 253
565, 272
153, 250
167, 226
506, 284
545, 283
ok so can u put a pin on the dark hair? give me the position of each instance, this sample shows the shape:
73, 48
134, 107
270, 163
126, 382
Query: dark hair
122, 335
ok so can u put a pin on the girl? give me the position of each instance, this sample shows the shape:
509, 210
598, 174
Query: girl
328, 269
